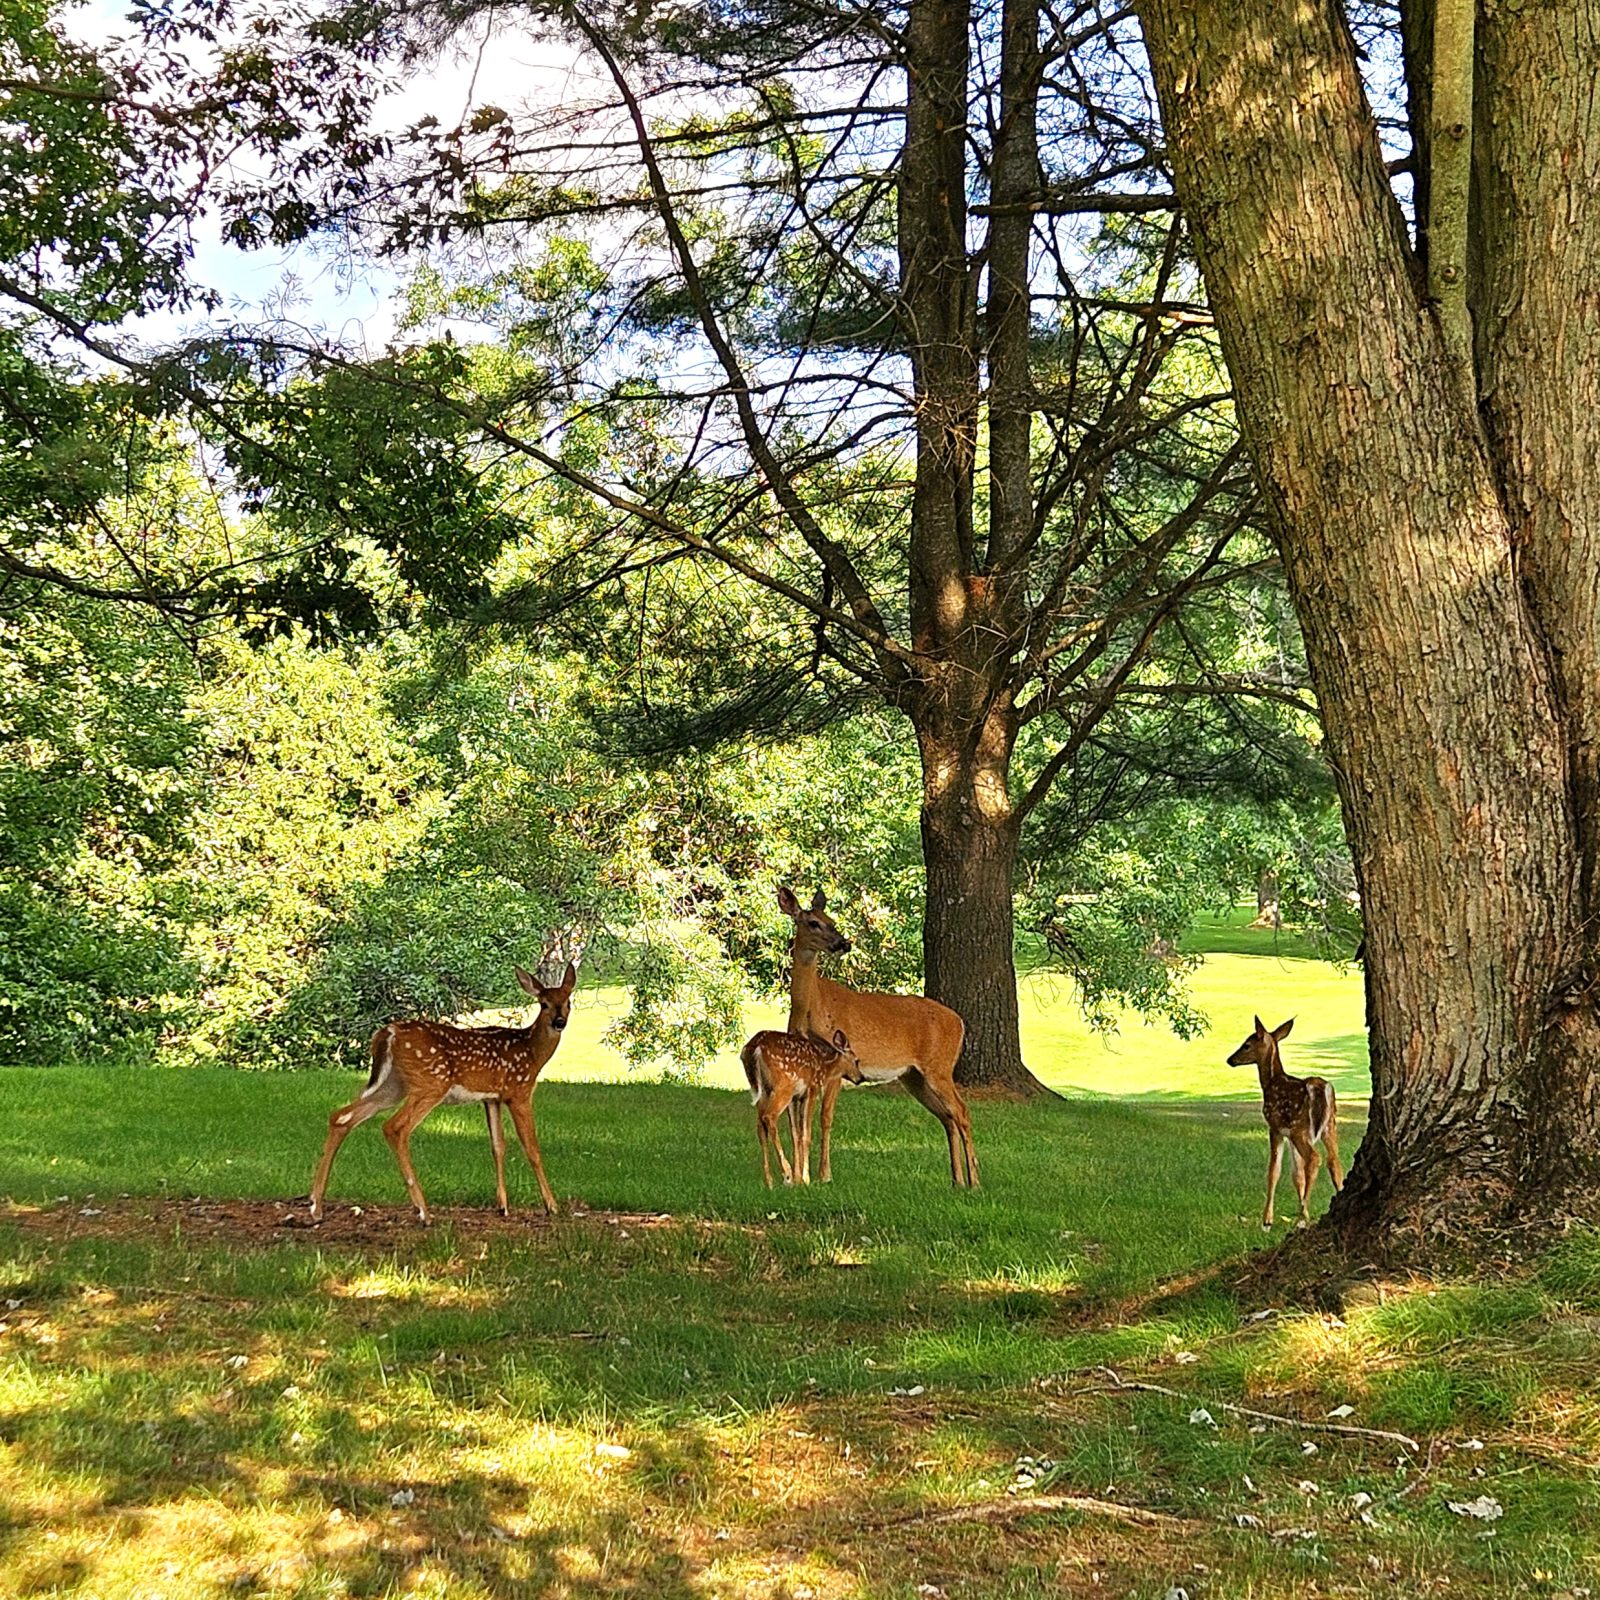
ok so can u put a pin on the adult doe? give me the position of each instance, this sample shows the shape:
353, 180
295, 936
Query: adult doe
894, 1036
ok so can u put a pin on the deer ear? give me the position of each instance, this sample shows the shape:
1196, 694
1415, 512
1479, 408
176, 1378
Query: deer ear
1282, 1030
1261, 1027
819, 901
529, 982
571, 977
839, 1041
787, 903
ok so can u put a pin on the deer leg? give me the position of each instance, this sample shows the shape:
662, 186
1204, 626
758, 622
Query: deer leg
924, 1091
528, 1134
497, 1142
958, 1107
340, 1125
808, 1117
1274, 1167
949, 1097
1330, 1143
794, 1138
1297, 1176
397, 1130
763, 1133
829, 1095
767, 1123
1305, 1172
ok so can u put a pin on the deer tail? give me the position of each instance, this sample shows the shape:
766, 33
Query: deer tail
1323, 1109
752, 1075
381, 1041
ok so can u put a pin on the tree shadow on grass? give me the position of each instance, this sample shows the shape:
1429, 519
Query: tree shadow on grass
137, 1453
467, 1537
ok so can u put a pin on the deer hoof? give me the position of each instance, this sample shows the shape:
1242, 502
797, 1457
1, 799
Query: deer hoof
1266, 1227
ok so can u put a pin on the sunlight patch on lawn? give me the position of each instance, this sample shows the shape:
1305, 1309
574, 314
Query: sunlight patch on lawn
1042, 1278
395, 1282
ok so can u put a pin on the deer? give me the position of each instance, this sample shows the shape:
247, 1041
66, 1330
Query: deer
419, 1065
786, 1070
1301, 1111
900, 1037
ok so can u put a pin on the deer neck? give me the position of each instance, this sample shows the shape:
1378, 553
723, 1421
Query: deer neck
537, 1043
805, 986
1271, 1069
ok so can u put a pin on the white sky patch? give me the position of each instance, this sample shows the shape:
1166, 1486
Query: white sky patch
317, 284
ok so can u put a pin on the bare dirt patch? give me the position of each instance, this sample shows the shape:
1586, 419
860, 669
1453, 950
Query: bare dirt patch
262, 1222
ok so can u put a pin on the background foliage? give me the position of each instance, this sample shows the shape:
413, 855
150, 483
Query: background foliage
256, 851
321, 702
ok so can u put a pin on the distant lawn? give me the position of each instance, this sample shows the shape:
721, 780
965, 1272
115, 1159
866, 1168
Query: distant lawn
1246, 970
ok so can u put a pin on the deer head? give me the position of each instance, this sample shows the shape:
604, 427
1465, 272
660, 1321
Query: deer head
1260, 1049
555, 1004
815, 932
841, 1048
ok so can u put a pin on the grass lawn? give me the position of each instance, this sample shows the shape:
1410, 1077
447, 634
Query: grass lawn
696, 1388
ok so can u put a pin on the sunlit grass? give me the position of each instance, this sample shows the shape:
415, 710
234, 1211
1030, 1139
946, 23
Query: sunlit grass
697, 1408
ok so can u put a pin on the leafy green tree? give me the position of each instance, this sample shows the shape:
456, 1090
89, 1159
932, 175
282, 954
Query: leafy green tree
96, 780
112, 155
809, 309
1055, 542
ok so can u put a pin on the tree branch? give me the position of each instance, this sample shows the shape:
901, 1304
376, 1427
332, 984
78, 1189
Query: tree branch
893, 659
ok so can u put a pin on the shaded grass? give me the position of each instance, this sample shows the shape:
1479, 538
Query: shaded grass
707, 1405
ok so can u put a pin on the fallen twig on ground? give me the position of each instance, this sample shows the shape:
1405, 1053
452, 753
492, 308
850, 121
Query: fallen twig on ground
1119, 1382
1028, 1505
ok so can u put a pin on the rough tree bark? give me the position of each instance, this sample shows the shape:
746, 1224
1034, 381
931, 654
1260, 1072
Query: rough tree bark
969, 846
1268, 913
1445, 572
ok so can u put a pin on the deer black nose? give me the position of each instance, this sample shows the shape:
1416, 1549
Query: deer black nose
558, 1023
843, 947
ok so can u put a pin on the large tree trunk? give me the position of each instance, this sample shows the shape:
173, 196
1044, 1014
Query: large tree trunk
969, 848
1537, 181
962, 709
1447, 712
